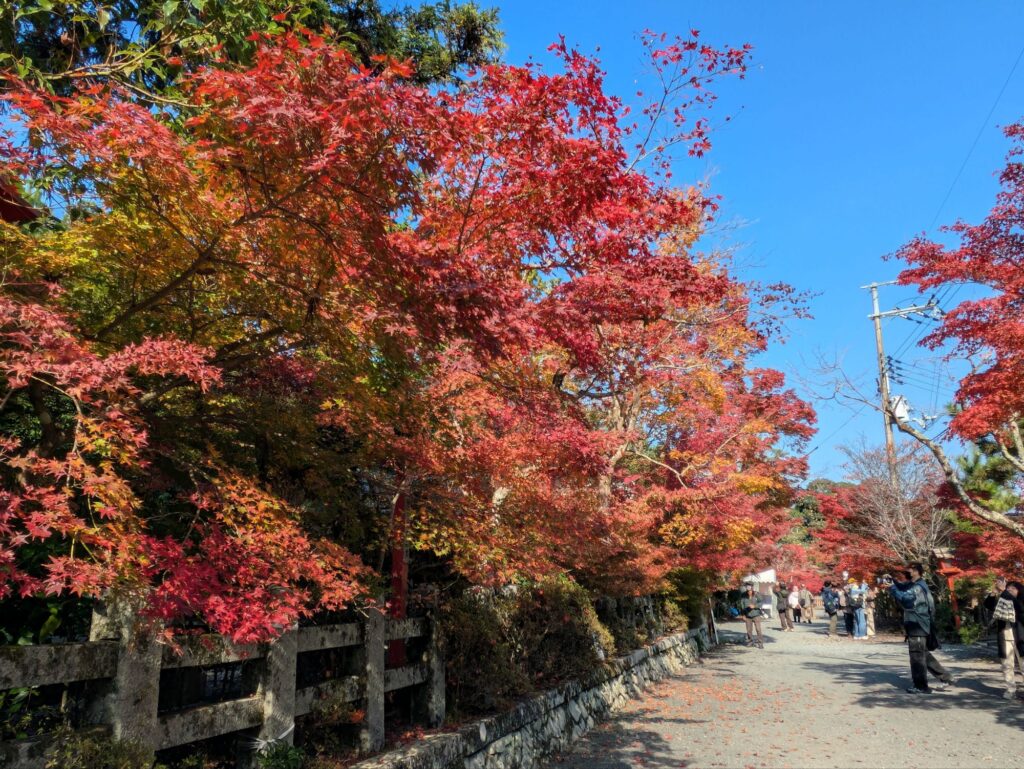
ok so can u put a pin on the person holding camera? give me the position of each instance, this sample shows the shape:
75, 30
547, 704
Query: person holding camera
913, 595
750, 610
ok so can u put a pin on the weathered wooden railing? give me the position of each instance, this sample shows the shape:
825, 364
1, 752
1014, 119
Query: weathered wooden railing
129, 670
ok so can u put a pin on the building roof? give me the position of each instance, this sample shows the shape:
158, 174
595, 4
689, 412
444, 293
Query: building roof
13, 207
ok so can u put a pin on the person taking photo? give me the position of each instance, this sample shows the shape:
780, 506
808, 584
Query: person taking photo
913, 595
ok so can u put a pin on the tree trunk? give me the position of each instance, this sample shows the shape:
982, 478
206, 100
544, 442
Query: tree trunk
399, 574
993, 517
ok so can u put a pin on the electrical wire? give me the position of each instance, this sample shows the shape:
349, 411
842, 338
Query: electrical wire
949, 292
834, 433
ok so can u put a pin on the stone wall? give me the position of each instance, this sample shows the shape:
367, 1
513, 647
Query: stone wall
550, 722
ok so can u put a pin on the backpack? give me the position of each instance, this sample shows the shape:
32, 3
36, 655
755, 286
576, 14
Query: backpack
857, 601
831, 602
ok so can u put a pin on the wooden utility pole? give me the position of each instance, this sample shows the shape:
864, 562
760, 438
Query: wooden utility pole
883, 380
930, 309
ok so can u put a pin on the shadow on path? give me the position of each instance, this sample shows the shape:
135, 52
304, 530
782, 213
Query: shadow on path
884, 686
620, 746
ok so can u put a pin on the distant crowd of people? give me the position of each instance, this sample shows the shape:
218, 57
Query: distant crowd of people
855, 600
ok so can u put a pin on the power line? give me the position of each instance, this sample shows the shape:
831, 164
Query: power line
949, 292
925, 374
977, 137
917, 380
835, 432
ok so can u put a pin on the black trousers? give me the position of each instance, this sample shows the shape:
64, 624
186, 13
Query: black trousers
923, 662
848, 619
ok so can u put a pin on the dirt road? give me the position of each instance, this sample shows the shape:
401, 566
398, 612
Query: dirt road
807, 701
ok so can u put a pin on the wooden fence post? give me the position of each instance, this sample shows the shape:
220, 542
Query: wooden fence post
433, 703
371, 735
130, 704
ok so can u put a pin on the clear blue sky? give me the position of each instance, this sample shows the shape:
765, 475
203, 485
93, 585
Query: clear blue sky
850, 128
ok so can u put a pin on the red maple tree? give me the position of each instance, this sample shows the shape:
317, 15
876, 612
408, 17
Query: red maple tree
987, 331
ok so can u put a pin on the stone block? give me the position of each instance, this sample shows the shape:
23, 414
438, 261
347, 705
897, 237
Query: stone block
130, 703
371, 736
277, 689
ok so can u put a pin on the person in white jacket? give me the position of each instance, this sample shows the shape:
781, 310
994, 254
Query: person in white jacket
793, 599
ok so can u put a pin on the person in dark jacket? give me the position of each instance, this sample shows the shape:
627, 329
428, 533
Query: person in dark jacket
913, 595
750, 610
782, 603
846, 607
830, 601
1009, 620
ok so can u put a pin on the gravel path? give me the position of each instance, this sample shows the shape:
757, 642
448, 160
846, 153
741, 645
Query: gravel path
806, 701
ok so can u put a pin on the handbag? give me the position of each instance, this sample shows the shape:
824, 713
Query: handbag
1004, 611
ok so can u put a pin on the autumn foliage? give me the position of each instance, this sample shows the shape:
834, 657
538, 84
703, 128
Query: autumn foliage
987, 331
319, 288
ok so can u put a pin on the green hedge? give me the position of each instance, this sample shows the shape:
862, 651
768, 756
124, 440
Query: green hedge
503, 644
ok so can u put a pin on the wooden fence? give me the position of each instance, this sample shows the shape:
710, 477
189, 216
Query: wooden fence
127, 671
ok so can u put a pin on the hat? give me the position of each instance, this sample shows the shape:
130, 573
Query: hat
851, 581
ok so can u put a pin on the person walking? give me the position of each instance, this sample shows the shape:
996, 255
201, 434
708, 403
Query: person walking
913, 595
869, 609
1008, 616
830, 601
750, 610
857, 598
794, 604
785, 613
807, 603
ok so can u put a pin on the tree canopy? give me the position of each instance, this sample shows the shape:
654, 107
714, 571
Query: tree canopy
317, 309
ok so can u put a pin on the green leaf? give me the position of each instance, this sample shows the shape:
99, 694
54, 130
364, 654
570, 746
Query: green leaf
103, 17
50, 626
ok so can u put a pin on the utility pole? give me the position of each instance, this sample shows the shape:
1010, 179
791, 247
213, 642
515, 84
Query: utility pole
931, 309
883, 380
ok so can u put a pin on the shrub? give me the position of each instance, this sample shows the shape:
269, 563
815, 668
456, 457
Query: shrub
21, 716
673, 619
281, 755
944, 625
483, 670
500, 645
632, 622
90, 750
559, 632
326, 729
689, 590
198, 761
970, 632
